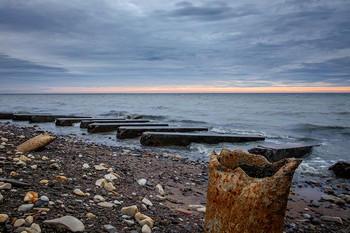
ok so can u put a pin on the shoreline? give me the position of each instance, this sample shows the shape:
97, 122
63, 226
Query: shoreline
184, 184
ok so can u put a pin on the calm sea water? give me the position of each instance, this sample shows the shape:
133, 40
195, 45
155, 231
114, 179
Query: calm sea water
324, 118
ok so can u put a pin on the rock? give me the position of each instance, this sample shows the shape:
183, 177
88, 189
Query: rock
19, 222
345, 198
3, 218
100, 167
90, 216
55, 166
110, 228
86, 166
147, 202
61, 178
44, 181
67, 222
1, 171
117, 202
332, 219
34, 228
160, 198
20, 164
142, 182
330, 198
109, 187
130, 210
340, 202
98, 198
6, 186
24, 158
31, 197
128, 222
25, 207
29, 220
106, 204
79, 192
341, 169
160, 189
307, 216
34, 167
100, 182
110, 176
144, 219
44, 198
1, 198
36, 143
202, 209
146, 229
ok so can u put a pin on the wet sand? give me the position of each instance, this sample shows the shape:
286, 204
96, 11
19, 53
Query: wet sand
184, 183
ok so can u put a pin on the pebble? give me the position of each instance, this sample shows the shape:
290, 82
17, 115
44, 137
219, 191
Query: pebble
160, 198
330, 198
345, 197
34, 228
100, 182
24, 158
5, 186
1, 171
98, 198
340, 202
110, 228
34, 167
109, 187
144, 219
147, 202
29, 220
1, 198
106, 204
332, 219
160, 189
44, 158
61, 178
44, 198
128, 222
86, 166
3, 218
100, 167
142, 181
110, 176
90, 216
307, 216
129, 210
79, 192
117, 202
146, 229
19, 222
202, 210
21, 163
54, 166
25, 207
68, 222
44, 181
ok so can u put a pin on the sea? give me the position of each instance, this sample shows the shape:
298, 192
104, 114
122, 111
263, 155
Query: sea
322, 118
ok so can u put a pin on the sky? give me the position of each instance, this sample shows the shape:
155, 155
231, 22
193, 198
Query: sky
97, 46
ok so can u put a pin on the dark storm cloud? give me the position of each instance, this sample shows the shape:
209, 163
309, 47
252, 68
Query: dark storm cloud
193, 42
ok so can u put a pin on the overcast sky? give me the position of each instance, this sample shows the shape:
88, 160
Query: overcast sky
150, 45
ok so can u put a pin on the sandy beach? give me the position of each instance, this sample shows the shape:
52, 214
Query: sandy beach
67, 175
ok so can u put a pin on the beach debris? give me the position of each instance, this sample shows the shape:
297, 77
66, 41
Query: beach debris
68, 222
245, 191
341, 169
36, 143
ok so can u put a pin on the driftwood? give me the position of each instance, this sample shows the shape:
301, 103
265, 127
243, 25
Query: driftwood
36, 143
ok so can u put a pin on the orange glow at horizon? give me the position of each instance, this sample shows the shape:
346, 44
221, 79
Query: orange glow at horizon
199, 89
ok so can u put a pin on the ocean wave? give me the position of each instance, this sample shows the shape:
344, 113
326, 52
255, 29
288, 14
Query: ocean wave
247, 132
308, 126
112, 113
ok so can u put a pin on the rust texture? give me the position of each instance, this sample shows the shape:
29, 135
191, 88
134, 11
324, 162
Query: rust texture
36, 143
246, 193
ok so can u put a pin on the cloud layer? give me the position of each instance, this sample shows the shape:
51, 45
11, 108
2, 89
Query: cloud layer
52, 46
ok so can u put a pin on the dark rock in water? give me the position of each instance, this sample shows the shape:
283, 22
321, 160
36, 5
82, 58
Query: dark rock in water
341, 169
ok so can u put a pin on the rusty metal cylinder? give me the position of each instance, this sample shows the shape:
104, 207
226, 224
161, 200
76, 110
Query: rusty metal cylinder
246, 193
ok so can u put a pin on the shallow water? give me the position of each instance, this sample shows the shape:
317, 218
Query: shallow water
323, 118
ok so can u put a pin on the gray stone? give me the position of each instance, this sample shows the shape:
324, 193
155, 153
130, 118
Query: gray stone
67, 222
25, 207
330, 198
34, 228
129, 222
106, 204
6, 186
332, 219
110, 228
44, 198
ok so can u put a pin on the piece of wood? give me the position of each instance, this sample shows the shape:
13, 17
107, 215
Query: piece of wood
107, 127
185, 139
132, 131
36, 143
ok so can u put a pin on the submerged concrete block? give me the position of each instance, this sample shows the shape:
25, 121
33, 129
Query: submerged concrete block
276, 152
246, 193
86, 123
106, 127
132, 132
6, 115
184, 139
27, 117
70, 121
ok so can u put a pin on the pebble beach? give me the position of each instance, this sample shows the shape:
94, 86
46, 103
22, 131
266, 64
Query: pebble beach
76, 186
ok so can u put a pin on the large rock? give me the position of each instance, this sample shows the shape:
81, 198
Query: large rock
341, 169
67, 222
